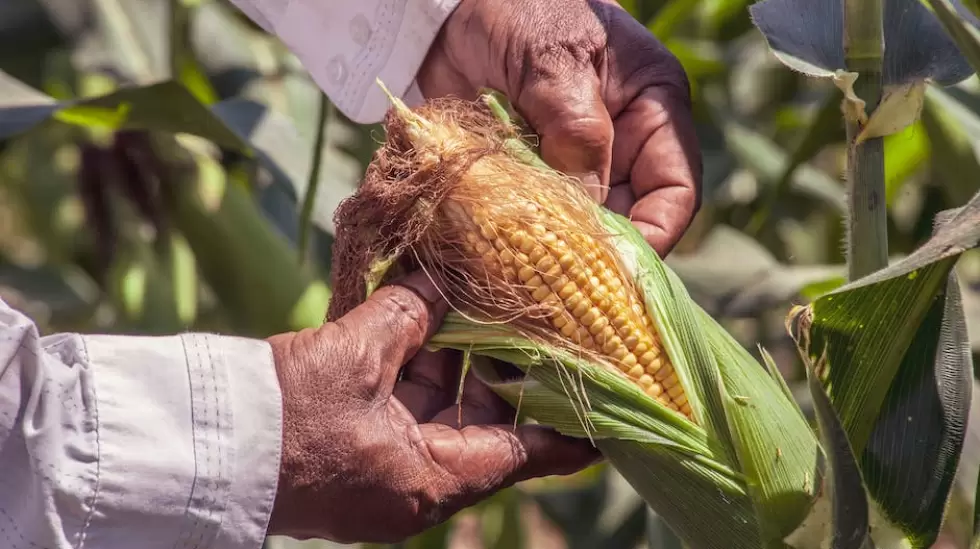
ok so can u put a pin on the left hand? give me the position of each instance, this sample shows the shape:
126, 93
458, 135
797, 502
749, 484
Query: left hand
609, 102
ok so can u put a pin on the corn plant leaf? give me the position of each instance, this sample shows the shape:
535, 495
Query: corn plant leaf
287, 154
767, 161
962, 27
928, 402
850, 522
896, 360
165, 106
953, 129
825, 128
809, 36
21, 106
905, 153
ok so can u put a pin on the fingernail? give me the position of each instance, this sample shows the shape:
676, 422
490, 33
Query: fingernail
592, 184
422, 285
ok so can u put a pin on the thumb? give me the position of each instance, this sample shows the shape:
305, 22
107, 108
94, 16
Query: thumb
564, 106
396, 321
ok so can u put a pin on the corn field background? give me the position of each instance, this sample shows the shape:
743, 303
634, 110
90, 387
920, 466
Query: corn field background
95, 236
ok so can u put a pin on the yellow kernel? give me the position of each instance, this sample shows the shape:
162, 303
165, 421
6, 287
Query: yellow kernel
603, 336
552, 274
580, 309
654, 365
675, 391
568, 329
631, 340
629, 360
536, 255
526, 273
560, 320
620, 321
636, 372
611, 344
536, 282
619, 353
506, 257
599, 325
670, 381
540, 293
566, 291
544, 262
641, 348
526, 245
680, 400
664, 372
567, 260
673, 406
589, 317
645, 381
654, 390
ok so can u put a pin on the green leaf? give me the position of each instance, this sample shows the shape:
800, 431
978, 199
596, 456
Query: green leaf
953, 130
905, 153
896, 360
825, 128
850, 522
928, 403
287, 154
672, 14
21, 107
767, 161
964, 31
250, 266
166, 107
871, 322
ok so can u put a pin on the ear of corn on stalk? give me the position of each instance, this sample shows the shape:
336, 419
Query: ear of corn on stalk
613, 347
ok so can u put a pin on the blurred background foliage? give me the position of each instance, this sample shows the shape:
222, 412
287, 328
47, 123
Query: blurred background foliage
155, 157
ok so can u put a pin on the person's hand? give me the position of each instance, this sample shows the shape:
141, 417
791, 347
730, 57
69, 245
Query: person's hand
369, 457
609, 102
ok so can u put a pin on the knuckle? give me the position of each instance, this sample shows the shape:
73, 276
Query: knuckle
406, 312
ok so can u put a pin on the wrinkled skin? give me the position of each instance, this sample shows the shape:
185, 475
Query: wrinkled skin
371, 456
610, 103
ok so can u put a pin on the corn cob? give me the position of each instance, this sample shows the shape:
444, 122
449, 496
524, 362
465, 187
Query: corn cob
585, 300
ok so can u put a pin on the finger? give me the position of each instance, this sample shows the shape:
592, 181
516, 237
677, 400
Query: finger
482, 459
657, 152
430, 383
438, 76
390, 327
562, 102
478, 404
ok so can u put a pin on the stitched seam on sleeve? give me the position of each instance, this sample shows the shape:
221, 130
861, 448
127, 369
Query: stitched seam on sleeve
215, 504
375, 55
98, 447
185, 532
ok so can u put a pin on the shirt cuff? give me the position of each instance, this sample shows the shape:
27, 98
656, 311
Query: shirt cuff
196, 465
347, 45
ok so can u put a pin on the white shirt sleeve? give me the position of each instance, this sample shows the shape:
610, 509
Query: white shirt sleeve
116, 442
346, 44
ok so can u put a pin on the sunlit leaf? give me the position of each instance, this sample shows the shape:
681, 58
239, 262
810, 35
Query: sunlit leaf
894, 355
